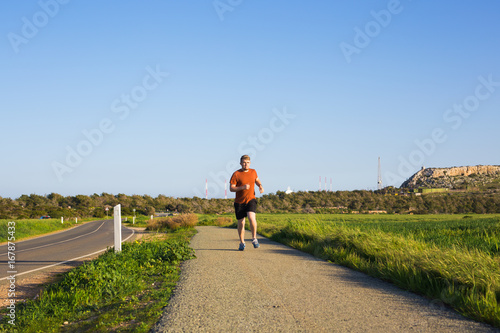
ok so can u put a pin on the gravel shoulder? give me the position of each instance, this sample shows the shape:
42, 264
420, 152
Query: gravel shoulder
278, 289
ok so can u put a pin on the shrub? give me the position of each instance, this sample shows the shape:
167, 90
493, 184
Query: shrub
223, 221
173, 222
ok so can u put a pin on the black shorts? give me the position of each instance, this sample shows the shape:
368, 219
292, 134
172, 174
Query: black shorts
242, 209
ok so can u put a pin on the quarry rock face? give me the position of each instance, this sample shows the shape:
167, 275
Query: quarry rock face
451, 177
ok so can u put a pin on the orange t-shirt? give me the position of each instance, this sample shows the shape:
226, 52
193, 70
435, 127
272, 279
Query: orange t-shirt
240, 178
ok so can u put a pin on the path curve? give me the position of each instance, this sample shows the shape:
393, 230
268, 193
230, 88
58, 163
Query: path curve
278, 289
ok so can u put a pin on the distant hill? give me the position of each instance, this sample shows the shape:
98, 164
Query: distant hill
479, 176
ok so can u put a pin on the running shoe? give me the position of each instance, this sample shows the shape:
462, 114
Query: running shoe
255, 243
242, 246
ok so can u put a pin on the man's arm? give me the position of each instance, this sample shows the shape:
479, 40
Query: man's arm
259, 184
234, 188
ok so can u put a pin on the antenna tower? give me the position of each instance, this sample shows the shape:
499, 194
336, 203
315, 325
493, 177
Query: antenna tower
379, 181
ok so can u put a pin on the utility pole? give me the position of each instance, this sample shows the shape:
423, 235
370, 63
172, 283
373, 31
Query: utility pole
379, 181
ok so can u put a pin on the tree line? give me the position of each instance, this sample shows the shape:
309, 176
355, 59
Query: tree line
358, 201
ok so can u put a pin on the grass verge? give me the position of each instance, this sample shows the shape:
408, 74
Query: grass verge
140, 221
123, 291
35, 227
225, 220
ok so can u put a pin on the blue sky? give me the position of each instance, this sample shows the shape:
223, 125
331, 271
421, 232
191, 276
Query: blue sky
156, 97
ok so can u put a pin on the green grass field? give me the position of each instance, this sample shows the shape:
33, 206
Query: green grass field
453, 259
480, 232
24, 229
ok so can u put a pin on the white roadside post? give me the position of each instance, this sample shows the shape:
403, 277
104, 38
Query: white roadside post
76, 219
133, 220
117, 213
62, 219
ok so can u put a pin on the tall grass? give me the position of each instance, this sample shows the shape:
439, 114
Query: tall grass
224, 220
172, 222
450, 258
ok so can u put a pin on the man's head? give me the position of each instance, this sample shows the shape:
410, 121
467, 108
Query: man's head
245, 162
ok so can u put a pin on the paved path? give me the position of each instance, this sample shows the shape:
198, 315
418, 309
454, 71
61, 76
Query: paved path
279, 289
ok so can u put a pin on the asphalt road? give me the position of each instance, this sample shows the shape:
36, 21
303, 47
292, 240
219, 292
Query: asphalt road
41, 253
278, 289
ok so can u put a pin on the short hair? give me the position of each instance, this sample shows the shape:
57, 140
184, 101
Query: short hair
244, 157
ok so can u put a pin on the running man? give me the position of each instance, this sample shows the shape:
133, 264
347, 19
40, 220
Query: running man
243, 183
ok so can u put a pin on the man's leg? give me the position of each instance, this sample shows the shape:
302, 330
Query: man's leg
253, 224
241, 230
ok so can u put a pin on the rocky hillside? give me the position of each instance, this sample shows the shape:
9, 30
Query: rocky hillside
479, 176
